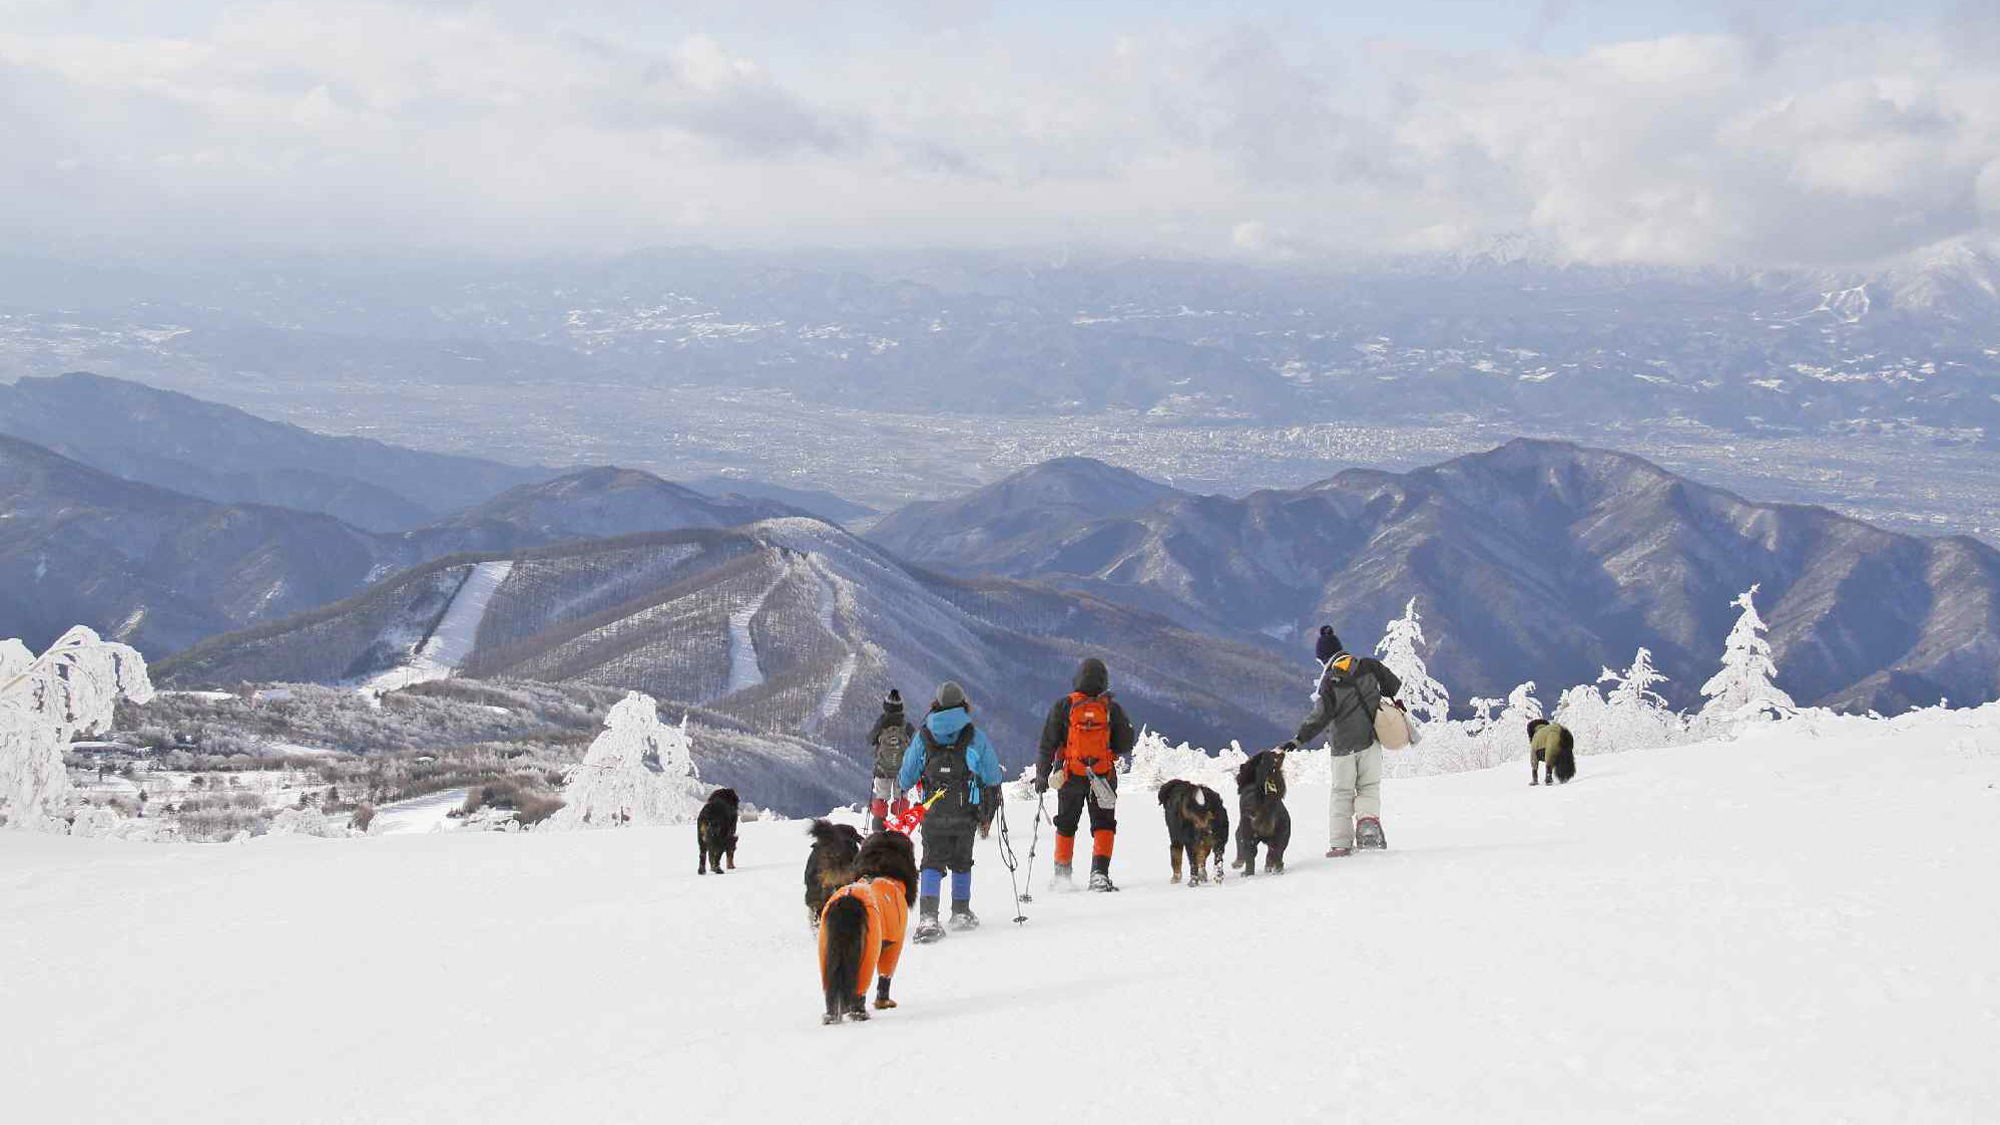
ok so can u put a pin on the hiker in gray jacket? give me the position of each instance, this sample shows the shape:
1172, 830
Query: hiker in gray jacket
1351, 689
890, 737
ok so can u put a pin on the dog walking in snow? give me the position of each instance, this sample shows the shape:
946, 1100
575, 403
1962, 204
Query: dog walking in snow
861, 930
1553, 748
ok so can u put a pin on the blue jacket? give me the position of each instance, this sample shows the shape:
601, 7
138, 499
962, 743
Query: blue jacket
944, 727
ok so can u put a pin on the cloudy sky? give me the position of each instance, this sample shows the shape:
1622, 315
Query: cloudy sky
1764, 133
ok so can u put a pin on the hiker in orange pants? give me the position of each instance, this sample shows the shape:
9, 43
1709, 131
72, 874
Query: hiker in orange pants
1082, 738
862, 927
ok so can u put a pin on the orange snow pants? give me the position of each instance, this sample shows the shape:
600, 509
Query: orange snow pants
882, 944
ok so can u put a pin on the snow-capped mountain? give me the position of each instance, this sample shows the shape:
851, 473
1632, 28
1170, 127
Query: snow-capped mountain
1539, 560
788, 626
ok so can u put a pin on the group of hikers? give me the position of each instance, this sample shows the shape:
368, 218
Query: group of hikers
1083, 738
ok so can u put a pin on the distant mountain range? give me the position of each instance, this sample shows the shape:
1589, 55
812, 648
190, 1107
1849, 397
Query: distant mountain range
215, 452
788, 626
161, 570
1539, 560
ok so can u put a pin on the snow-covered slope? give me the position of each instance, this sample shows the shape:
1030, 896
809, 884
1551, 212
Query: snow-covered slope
1797, 926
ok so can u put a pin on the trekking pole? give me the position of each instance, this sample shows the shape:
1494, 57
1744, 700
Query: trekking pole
1034, 841
1007, 858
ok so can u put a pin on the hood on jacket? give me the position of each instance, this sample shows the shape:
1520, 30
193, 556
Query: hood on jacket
1092, 677
945, 723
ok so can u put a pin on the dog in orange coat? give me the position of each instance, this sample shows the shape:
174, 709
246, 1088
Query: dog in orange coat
861, 928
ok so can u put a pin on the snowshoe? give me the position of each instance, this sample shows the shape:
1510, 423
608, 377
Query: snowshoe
1336, 853
928, 930
1061, 880
858, 1015
1101, 881
829, 1019
1368, 834
963, 919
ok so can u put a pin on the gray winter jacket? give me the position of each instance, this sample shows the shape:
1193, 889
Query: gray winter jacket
1338, 701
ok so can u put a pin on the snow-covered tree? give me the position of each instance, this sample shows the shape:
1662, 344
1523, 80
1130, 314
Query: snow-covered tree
1628, 716
1155, 762
70, 689
1401, 648
638, 771
1744, 691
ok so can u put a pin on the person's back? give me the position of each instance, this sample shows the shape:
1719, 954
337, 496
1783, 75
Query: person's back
953, 760
888, 740
1084, 735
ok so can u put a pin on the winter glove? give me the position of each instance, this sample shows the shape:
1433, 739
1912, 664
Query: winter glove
1041, 785
985, 829
1288, 746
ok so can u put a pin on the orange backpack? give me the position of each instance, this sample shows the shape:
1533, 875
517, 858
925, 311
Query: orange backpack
1089, 747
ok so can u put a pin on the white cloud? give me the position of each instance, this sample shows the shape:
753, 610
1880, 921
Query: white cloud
375, 123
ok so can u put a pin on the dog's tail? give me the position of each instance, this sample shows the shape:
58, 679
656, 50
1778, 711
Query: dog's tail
1563, 764
842, 933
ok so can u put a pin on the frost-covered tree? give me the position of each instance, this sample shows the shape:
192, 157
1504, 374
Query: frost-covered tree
1630, 715
638, 771
1401, 648
1745, 690
72, 688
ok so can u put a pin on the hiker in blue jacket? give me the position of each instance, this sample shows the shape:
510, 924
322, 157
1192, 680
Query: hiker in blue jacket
952, 757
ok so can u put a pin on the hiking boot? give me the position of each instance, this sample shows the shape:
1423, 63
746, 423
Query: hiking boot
1336, 853
962, 917
1061, 881
1368, 834
928, 930
1100, 874
882, 1001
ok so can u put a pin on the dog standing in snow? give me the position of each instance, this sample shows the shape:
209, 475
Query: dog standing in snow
1260, 799
861, 929
715, 832
829, 864
1197, 828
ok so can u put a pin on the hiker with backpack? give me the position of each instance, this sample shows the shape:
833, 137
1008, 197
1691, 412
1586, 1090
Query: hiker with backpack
1351, 696
1089, 730
889, 739
957, 766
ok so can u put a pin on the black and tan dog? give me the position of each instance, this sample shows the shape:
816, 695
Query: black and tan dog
1552, 747
862, 927
830, 864
715, 832
1260, 800
1197, 828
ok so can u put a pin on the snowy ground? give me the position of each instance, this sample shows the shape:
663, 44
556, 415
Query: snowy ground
745, 672
1783, 929
418, 814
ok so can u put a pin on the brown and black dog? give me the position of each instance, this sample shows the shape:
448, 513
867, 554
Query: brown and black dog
862, 926
1260, 799
830, 864
715, 832
1197, 827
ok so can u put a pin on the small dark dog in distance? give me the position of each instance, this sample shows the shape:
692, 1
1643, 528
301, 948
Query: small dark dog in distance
1557, 762
830, 864
1197, 828
715, 832
1260, 799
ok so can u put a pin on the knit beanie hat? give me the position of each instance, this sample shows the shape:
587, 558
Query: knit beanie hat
894, 704
950, 695
1328, 644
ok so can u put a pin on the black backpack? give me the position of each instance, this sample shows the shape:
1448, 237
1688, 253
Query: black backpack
1352, 696
948, 770
889, 747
